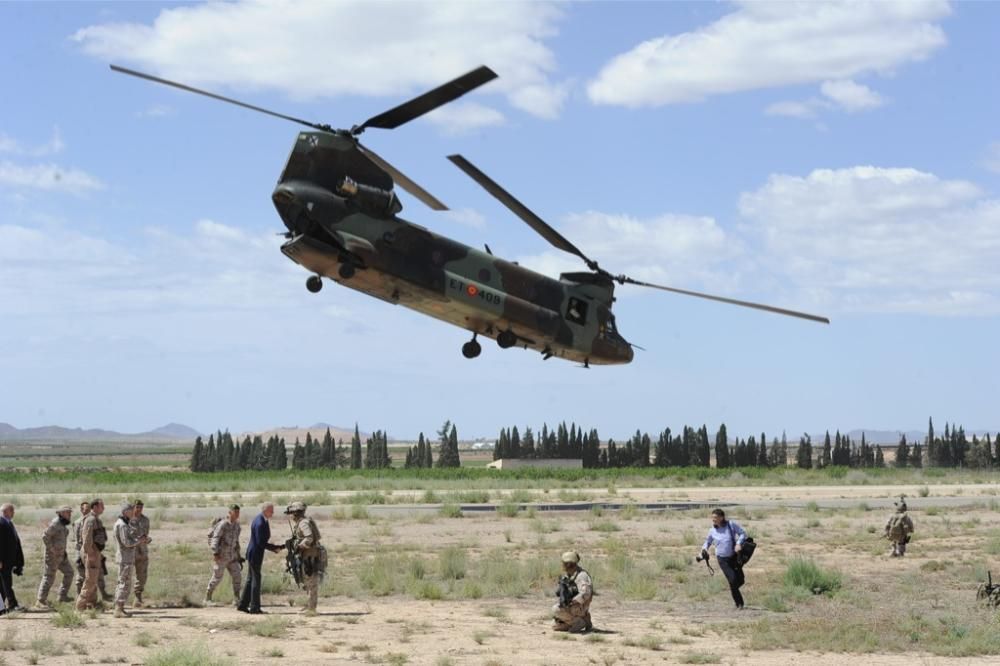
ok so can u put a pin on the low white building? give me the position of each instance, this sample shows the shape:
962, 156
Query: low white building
548, 463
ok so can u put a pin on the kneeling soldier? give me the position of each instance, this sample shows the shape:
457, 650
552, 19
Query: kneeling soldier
56, 558
572, 613
306, 546
225, 545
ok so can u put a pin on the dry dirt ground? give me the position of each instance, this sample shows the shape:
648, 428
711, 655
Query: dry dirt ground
653, 605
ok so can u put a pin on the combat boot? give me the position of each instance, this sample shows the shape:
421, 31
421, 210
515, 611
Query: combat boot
138, 601
65, 600
208, 603
120, 611
107, 597
42, 605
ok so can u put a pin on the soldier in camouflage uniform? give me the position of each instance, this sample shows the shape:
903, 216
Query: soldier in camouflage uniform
127, 542
81, 571
899, 528
93, 539
305, 541
225, 545
140, 524
56, 558
574, 616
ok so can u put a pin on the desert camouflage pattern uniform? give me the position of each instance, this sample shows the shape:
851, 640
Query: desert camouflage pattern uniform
127, 541
313, 556
93, 538
140, 524
576, 616
55, 559
225, 543
897, 531
81, 566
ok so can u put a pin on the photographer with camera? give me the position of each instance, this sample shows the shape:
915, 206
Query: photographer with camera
575, 591
728, 538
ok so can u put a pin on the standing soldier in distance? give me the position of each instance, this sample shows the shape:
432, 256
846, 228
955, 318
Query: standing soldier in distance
93, 538
225, 545
899, 528
305, 541
81, 571
56, 558
127, 542
140, 524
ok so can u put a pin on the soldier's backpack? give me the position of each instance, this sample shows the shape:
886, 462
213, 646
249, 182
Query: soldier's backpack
211, 531
896, 528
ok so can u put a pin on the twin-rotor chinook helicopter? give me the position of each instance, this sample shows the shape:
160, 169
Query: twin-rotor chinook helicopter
336, 198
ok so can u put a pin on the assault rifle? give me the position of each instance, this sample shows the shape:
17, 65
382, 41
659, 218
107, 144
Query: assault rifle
293, 563
566, 591
988, 591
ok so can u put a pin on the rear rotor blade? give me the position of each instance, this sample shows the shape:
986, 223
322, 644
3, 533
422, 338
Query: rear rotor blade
722, 299
429, 101
519, 209
402, 180
181, 86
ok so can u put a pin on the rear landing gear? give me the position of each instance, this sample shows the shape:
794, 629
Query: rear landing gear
506, 339
346, 271
314, 283
472, 348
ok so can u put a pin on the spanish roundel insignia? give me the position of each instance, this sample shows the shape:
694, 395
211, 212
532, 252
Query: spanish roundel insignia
471, 290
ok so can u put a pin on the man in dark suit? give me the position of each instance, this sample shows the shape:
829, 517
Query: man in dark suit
11, 559
260, 535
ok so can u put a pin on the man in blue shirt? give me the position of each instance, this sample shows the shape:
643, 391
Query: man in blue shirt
260, 535
728, 538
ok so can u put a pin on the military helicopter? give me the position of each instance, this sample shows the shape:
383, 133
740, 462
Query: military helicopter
336, 199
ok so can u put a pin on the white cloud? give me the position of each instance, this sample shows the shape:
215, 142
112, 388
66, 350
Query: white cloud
771, 44
52, 146
676, 250
156, 111
790, 109
992, 161
322, 49
851, 96
49, 177
879, 239
463, 118
466, 216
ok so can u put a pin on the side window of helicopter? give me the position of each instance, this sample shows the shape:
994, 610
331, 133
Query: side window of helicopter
576, 311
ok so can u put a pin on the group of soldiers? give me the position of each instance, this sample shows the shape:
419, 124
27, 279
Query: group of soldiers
130, 535
306, 558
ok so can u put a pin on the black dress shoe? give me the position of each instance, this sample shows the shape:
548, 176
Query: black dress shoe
257, 612
242, 609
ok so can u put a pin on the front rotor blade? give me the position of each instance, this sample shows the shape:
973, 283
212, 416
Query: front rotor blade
181, 86
519, 209
429, 101
722, 299
402, 180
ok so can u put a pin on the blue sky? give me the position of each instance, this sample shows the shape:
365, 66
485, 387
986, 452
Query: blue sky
836, 159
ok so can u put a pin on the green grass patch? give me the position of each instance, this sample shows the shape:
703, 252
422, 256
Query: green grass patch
806, 574
272, 627
67, 617
187, 655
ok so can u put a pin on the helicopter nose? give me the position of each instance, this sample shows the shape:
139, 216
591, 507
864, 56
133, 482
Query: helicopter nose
288, 206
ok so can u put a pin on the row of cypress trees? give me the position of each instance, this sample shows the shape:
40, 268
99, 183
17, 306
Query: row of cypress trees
222, 453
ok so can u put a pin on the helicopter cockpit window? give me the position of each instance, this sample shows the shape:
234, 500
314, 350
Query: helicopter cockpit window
607, 329
576, 311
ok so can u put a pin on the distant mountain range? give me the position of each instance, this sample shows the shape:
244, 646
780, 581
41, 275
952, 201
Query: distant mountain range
171, 431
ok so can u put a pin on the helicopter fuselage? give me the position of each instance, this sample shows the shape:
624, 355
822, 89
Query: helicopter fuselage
349, 231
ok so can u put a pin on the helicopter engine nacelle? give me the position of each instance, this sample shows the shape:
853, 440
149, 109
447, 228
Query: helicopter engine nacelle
302, 204
370, 199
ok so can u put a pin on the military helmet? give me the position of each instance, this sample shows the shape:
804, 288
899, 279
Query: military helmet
296, 507
571, 556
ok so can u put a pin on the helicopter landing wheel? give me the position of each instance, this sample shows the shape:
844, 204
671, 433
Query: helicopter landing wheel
471, 349
314, 283
346, 271
506, 339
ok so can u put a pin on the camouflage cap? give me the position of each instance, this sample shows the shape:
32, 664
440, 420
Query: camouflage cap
296, 507
64, 508
138, 502
571, 556
234, 507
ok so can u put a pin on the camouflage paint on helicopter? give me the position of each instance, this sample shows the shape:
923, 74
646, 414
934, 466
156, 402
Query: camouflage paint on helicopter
348, 231
336, 198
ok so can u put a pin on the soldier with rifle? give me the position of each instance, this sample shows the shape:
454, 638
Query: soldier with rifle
305, 556
899, 528
575, 591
